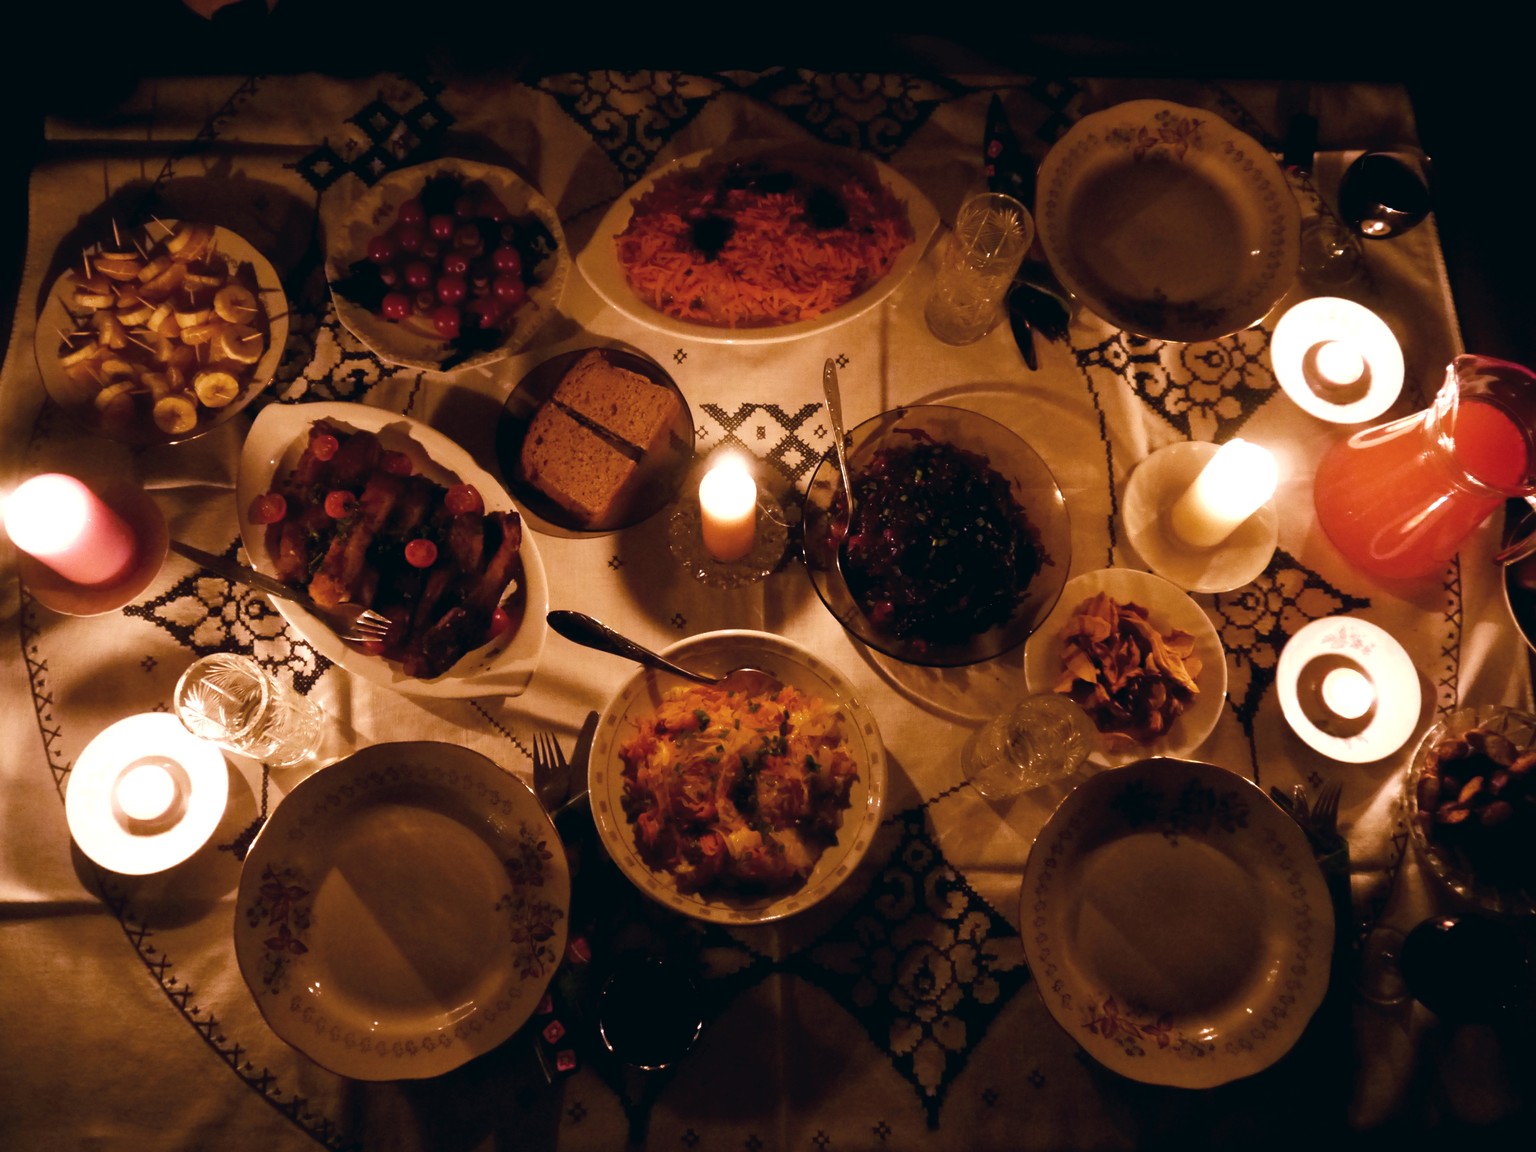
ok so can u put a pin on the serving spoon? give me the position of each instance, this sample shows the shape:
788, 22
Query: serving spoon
593, 633
835, 414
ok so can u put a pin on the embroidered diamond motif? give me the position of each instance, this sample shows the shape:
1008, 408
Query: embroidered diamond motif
869, 111
790, 453
631, 116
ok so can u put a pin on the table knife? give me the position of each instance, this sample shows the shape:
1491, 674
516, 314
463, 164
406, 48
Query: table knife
240, 574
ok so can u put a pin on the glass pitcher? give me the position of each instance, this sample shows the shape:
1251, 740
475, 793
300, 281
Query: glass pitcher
1399, 499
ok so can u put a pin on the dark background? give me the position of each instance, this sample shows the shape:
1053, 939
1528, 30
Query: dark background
1466, 74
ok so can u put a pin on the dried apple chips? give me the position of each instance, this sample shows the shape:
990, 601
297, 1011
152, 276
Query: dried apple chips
1134, 680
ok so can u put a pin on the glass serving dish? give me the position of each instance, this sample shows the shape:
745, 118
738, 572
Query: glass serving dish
1031, 485
1486, 860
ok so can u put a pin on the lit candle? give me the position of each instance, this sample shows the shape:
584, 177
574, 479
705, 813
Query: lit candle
62, 523
146, 790
1348, 693
1338, 365
1234, 484
728, 509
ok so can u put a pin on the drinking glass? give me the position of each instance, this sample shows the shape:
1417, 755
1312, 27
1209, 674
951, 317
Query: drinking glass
1043, 738
237, 704
977, 266
1470, 968
1381, 194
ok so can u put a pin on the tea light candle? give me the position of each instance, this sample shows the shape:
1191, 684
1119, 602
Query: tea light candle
146, 790
1338, 365
1232, 486
728, 510
1348, 693
60, 522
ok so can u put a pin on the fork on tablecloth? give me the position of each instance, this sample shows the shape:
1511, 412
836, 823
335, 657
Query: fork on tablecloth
551, 771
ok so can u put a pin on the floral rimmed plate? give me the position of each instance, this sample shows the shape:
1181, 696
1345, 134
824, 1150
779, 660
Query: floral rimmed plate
713, 653
402, 911
1168, 608
1167, 221
1176, 923
599, 260
60, 316
375, 210
502, 667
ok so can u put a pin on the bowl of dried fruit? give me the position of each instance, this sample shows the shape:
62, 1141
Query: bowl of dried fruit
1470, 795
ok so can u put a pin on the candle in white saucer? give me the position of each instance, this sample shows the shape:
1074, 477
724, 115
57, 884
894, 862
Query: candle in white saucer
1348, 693
1338, 365
146, 790
1234, 484
728, 509
59, 521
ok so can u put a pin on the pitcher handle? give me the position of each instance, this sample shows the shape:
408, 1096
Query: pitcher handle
1518, 550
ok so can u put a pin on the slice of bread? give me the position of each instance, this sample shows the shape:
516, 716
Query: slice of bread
573, 465
618, 401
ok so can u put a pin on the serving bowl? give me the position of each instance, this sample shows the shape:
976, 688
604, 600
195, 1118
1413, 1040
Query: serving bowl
62, 316
502, 667
714, 653
1485, 856
1028, 480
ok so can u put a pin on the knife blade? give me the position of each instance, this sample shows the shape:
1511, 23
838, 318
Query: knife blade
240, 574
575, 785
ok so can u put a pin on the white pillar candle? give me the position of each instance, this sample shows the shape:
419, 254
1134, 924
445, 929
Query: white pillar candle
1348, 693
728, 509
63, 524
1233, 485
146, 790
1339, 365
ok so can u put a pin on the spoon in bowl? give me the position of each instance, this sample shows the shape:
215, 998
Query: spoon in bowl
835, 414
593, 633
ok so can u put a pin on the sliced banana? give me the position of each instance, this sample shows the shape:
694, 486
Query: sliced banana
240, 343
116, 404
176, 413
235, 303
215, 389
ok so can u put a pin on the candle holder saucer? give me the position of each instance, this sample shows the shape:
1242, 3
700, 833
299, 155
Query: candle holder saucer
151, 537
1344, 642
685, 536
1311, 324
1154, 488
119, 834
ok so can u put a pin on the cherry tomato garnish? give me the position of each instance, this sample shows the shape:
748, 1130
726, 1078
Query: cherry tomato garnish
396, 306
396, 463
483, 312
339, 503
448, 320
382, 249
463, 498
442, 226
452, 289
421, 553
323, 445
508, 259
501, 620
268, 508
509, 289
410, 211
456, 263
417, 273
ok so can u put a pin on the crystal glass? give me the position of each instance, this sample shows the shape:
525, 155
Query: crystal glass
977, 266
237, 704
1042, 739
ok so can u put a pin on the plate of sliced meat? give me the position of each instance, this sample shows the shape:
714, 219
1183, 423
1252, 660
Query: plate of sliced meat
354, 503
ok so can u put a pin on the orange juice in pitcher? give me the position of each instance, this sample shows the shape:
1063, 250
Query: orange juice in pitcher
1399, 499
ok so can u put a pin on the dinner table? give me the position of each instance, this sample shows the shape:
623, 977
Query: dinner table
900, 1010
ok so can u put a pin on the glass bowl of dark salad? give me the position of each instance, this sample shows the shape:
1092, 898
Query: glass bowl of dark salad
959, 543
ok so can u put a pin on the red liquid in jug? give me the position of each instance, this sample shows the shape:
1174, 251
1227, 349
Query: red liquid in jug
1389, 501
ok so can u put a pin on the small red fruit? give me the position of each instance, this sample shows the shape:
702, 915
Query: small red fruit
421, 553
509, 289
396, 306
442, 226
323, 445
447, 320
382, 249
418, 274
501, 620
268, 508
452, 289
339, 504
456, 263
396, 463
410, 211
508, 259
410, 237
463, 498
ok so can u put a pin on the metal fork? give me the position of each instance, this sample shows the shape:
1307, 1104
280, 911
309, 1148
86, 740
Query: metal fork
352, 622
551, 772
1325, 809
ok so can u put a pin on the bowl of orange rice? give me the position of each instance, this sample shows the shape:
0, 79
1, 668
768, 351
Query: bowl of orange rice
758, 242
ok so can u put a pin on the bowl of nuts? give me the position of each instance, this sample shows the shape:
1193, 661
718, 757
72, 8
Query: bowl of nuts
1470, 795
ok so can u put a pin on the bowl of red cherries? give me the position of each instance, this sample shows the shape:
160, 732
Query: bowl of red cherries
448, 265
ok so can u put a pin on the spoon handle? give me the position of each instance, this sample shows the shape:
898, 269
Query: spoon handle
590, 633
835, 414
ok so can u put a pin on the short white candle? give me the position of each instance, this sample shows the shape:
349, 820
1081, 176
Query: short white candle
728, 509
1338, 364
1348, 693
146, 790
66, 526
1233, 485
